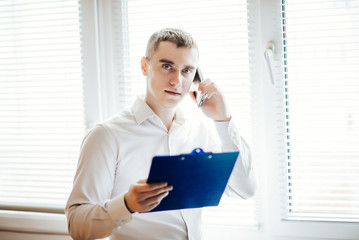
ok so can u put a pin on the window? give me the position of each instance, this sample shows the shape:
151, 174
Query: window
321, 52
41, 103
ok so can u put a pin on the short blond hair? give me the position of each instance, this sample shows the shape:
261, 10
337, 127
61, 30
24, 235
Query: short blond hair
174, 35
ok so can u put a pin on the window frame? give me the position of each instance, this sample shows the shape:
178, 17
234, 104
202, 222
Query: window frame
274, 106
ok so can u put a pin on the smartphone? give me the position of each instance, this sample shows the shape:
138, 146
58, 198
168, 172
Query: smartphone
196, 80
198, 76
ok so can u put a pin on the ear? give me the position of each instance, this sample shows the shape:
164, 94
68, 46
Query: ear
144, 64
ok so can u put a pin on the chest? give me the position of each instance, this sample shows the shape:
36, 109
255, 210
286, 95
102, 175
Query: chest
138, 145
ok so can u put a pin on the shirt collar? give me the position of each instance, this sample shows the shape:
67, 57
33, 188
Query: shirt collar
180, 118
143, 112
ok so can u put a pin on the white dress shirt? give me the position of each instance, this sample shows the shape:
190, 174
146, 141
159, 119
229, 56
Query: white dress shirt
119, 152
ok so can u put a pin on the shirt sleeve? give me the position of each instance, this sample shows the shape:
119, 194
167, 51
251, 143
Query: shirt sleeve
90, 212
242, 181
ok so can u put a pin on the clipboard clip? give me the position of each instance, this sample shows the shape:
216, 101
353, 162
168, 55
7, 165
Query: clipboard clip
197, 151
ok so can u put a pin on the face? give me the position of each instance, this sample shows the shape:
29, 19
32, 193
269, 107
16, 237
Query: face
169, 74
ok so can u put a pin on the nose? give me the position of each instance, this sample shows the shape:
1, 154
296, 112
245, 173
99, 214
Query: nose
176, 79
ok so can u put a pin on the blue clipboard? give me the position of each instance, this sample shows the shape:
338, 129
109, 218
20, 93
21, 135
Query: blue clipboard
198, 179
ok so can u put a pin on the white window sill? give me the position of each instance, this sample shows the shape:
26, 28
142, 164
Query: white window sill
32, 222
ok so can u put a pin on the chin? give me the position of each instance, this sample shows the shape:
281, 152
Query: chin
171, 102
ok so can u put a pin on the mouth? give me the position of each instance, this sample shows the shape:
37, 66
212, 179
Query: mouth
173, 93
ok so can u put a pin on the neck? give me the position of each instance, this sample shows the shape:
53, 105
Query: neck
166, 114
166, 118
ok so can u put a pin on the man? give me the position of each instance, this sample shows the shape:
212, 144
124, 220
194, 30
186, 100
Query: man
110, 190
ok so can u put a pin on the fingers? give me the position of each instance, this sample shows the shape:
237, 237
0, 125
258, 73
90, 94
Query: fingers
143, 197
210, 88
215, 105
149, 193
154, 201
142, 185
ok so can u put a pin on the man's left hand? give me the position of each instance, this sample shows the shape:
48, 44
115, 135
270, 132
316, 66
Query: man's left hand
214, 105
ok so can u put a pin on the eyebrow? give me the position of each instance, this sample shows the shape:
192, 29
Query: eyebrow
164, 60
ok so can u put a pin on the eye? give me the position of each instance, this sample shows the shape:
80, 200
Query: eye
167, 66
187, 71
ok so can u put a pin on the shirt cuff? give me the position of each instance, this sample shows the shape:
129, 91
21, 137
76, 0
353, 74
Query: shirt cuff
118, 211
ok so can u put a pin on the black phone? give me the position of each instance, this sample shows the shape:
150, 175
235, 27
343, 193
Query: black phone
197, 76
196, 80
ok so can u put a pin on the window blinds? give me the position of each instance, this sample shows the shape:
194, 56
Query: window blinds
41, 106
321, 56
220, 28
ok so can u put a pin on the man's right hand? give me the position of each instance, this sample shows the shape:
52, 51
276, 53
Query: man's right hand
143, 197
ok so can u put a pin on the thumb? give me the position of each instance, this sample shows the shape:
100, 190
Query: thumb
142, 181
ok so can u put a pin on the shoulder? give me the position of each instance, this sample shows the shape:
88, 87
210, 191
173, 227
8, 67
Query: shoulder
121, 120
108, 128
